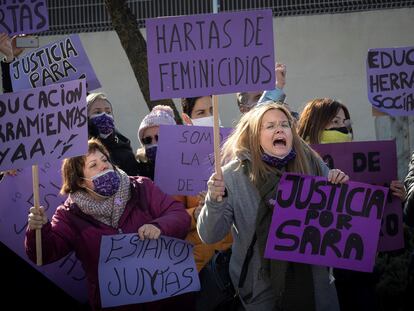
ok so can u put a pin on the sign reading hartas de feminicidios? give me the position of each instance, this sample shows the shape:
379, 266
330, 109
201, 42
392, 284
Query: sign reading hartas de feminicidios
206, 54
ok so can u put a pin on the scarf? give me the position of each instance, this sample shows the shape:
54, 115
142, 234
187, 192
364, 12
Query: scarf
292, 282
278, 162
107, 211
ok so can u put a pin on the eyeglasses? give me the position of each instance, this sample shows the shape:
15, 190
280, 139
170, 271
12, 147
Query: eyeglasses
148, 139
271, 126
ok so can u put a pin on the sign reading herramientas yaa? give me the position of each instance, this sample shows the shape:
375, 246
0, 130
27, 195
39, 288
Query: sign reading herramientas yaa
207, 54
390, 80
43, 124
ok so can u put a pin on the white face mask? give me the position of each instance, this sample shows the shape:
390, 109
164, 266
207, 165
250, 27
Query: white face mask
206, 121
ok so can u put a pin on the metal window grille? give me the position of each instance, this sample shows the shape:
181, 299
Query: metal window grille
74, 16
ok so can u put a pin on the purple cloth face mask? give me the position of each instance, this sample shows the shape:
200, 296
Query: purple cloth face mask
151, 152
104, 123
277, 162
106, 183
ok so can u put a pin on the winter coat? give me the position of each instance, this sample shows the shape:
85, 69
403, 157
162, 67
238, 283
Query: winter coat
238, 211
409, 186
72, 230
202, 252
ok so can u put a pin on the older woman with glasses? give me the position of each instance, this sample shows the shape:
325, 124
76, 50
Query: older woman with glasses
263, 145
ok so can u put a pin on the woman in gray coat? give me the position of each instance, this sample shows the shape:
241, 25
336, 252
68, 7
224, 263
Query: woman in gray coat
264, 145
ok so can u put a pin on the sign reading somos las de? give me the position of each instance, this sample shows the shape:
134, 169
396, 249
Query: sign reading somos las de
43, 124
320, 223
372, 162
206, 54
23, 17
134, 271
390, 80
185, 158
60, 61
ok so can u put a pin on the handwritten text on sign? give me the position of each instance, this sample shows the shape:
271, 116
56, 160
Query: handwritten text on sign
390, 80
16, 193
43, 124
135, 271
320, 223
205, 54
185, 158
60, 61
23, 17
372, 162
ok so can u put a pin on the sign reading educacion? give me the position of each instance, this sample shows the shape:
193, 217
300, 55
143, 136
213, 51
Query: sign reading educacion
390, 80
206, 54
185, 158
43, 124
134, 271
60, 61
320, 223
372, 162
23, 16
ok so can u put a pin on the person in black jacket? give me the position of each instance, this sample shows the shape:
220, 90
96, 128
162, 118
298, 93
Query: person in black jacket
101, 125
409, 186
409, 220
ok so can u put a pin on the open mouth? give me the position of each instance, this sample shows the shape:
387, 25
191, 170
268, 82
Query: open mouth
279, 142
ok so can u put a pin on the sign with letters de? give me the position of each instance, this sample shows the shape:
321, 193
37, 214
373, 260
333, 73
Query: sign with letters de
205, 54
372, 162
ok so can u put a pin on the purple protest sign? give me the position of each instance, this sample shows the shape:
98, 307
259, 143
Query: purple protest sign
206, 54
185, 158
23, 17
134, 271
390, 80
60, 61
372, 162
43, 124
16, 193
326, 224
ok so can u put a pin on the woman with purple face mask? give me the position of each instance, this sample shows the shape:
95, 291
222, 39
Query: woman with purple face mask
101, 125
104, 200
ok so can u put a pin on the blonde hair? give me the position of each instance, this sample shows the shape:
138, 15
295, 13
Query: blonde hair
245, 140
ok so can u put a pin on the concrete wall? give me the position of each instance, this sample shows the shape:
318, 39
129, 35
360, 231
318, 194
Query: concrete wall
325, 57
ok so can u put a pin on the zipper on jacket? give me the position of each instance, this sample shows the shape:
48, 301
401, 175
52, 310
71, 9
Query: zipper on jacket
120, 230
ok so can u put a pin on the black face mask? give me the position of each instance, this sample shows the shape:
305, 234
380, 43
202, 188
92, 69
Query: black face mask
343, 130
